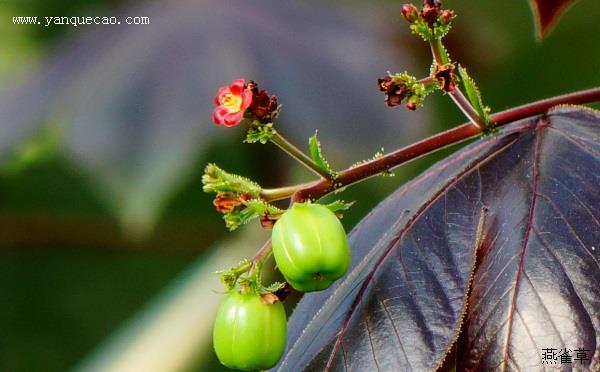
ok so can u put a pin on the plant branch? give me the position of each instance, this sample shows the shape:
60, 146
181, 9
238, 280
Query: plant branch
427, 80
535, 108
437, 142
441, 58
467, 109
285, 192
297, 154
262, 254
439, 53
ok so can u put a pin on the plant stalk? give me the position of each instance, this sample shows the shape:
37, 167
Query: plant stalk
281, 193
467, 109
262, 254
297, 154
437, 142
439, 53
441, 58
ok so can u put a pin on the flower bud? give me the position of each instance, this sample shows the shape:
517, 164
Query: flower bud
412, 102
410, 13
264, 107
446, 16
430, 13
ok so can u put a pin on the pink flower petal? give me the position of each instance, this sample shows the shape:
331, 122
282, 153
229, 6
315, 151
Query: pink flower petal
237, 86
221, 93
233, 118
219, 114
246, 99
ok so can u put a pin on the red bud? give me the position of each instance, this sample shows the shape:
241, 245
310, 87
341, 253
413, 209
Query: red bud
446, 16
412, 103
410, 13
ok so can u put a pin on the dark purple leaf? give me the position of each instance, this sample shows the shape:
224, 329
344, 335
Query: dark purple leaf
547, 13
525, 206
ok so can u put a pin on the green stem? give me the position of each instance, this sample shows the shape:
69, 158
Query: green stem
467, 109
439, 52
294, 152
441, 58
281, 193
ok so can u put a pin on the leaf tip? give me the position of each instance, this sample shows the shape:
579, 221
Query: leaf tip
547, 13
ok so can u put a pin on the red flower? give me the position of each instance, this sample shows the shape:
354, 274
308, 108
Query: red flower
232, 100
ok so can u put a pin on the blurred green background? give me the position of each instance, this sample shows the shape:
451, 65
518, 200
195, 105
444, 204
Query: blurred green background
108, 245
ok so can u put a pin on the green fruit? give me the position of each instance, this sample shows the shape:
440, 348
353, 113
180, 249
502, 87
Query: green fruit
249, 334
310, 247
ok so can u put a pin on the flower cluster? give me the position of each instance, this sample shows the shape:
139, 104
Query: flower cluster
264, 107
431, 13
237, 198
240, 100
397, 87
431, 22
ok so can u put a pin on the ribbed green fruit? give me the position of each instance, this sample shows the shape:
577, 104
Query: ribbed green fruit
310, 247
249, 334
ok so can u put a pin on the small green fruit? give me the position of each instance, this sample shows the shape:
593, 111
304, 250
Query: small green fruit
310, 247
249, 334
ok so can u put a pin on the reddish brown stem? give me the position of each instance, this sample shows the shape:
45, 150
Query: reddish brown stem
437, 142
535, 108
427, 80
262, 253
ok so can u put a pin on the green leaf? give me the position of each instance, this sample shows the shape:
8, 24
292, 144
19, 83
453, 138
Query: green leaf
260, 133
253, 209
474, 95
339, 205
440, 30
217, 180
421, 28
237, 218
230, 276
317, 156
261, 207
274, 287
